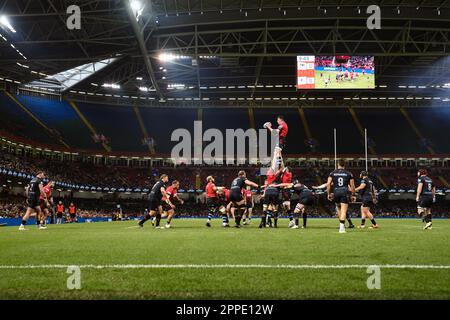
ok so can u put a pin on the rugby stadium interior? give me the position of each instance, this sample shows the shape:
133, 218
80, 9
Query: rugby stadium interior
93, 100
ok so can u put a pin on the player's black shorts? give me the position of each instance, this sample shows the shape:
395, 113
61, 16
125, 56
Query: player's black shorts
285, 195
32, 202
59, 215
154, 204
249, 205
282, 142
340, 197
307, 201
425, 202
367, 203
72, 216
212, 203
236, 197
271, 197
166, 207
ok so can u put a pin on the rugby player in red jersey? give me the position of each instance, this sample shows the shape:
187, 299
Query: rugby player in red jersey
168, 200
282, 132
212, 198
224, 206
249, 205
286, 177
46, 204
271, 198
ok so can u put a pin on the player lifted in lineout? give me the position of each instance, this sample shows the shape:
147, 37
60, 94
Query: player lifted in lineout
281, 132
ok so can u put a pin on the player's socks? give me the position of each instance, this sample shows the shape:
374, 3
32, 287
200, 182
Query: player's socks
291, 215
146, 218
373, 222
305, 218
269, 218
363, 222
158, 220
297, 221
224, 219
341, 225
263, 220
350, 223
24, 222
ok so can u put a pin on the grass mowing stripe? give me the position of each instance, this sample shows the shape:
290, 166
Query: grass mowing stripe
225, 266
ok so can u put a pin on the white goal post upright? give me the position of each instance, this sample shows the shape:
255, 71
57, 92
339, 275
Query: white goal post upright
365, 147
335, 148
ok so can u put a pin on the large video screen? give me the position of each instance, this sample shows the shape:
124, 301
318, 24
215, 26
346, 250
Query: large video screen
335, 72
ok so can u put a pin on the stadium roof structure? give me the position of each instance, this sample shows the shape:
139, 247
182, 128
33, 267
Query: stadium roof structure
225, 52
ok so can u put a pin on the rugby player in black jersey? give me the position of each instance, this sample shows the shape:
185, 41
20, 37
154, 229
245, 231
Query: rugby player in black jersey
236, 197
34, 191
155, 198
425, 197
340, 183
368, 195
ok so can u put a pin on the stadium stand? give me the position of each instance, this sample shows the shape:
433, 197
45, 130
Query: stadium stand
61, 117
16, 121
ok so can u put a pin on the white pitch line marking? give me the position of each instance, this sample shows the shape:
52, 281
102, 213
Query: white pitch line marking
224, 266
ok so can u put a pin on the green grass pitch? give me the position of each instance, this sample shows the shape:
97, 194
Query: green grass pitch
362, 82
399, 242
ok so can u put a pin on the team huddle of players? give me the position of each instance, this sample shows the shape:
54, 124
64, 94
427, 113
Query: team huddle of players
237, 201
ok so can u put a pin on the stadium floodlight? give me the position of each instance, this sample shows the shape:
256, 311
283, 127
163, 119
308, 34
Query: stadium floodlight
137, 8
4, 21
165, 57
111, 85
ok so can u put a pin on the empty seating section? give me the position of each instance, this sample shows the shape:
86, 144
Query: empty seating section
296, 136
434, 124
160, 123
16, 121
322, 123
390, 131
118, 124
60, 116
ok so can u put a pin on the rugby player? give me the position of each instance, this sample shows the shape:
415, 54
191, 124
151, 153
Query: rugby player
369, 199
271, 198
286, 178
425, 197
34, 191
156, 194
46, 204
249, 205
212, 198
168, 206
339, 183
236, 198
305, 198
